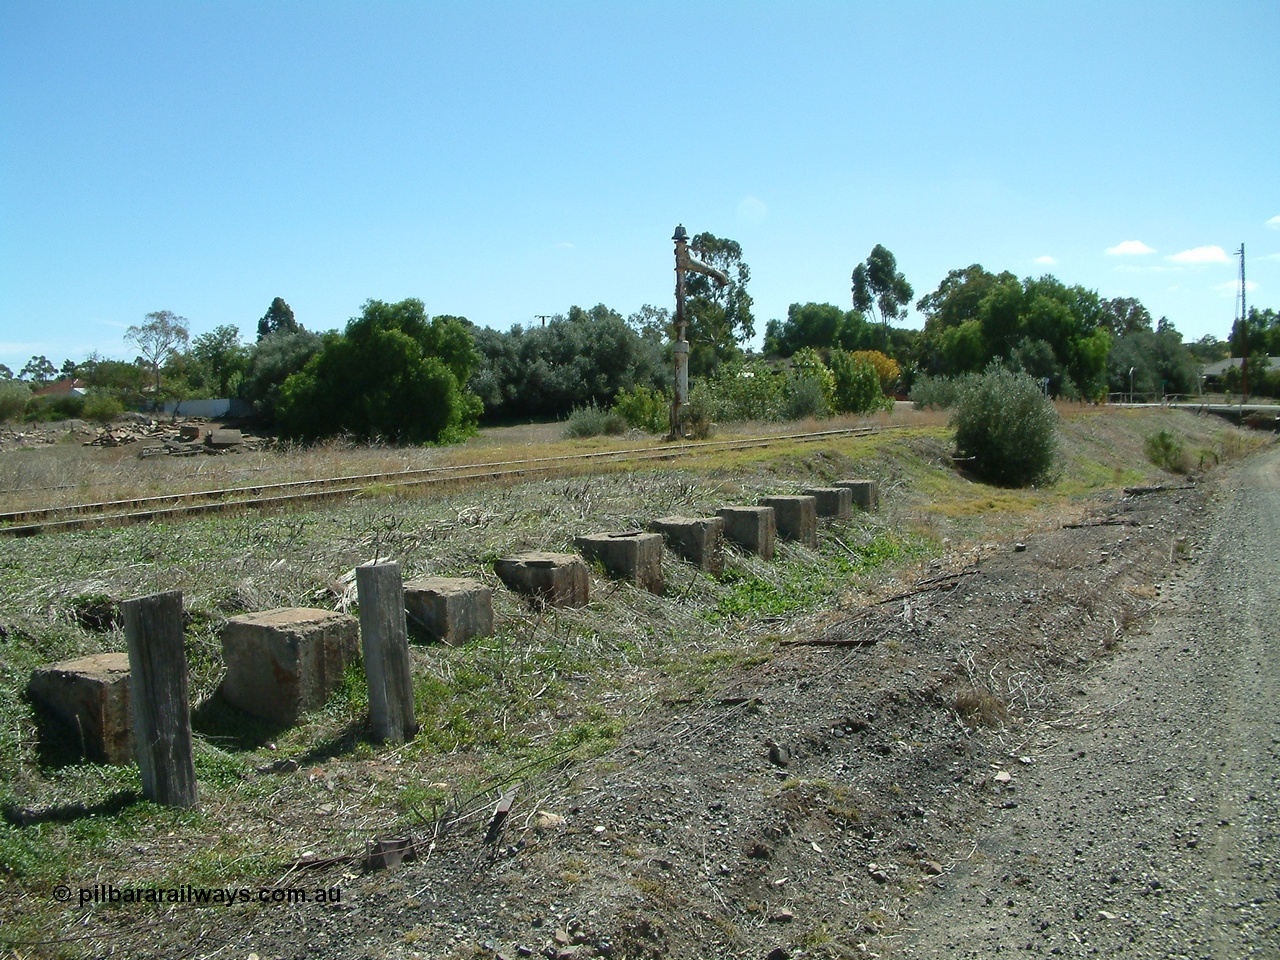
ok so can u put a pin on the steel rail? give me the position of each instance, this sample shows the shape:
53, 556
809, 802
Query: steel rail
288, 493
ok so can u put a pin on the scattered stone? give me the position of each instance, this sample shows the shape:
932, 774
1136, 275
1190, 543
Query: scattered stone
931, 867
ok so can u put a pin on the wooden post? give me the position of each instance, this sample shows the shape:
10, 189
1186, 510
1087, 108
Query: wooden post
158, 685
384, 637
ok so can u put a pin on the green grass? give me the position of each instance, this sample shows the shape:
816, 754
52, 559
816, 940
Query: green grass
553, 687
794, 586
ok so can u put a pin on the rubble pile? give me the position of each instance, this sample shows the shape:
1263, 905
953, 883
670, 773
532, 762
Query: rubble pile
175, 438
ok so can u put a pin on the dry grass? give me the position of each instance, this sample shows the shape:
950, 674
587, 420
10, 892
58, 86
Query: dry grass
549, 687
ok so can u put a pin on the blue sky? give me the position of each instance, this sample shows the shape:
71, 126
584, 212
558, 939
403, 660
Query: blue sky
501, 160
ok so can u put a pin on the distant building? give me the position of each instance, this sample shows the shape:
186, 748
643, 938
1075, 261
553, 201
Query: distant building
1214, 373
65, 387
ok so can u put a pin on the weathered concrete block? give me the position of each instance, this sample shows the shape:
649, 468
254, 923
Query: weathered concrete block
557, 579
796, 517
224, 437
282, 663
832, 501
451, 609
751, 527
866, 493
632, 556
91, 697
698, 540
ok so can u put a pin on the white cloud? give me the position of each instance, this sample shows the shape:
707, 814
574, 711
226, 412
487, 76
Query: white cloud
1129, 248
752, 209
1045, 261
1272, 256
1274, 223
1211, 254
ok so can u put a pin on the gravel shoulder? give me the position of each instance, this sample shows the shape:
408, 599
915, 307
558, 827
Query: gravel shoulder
1147, 823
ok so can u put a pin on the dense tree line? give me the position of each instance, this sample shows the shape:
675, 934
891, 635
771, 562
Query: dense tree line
584, 357
1068, 338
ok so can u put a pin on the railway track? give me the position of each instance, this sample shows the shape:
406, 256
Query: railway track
275, 496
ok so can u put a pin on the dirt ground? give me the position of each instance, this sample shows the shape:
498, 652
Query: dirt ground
956, 770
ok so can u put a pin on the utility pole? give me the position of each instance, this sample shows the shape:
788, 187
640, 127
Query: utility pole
1244, 334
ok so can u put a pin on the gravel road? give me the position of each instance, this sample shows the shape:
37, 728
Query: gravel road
1148, 824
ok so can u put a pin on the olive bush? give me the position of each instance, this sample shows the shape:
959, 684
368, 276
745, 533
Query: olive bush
1007, 427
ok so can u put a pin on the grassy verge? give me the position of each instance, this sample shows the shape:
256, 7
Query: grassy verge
550, 688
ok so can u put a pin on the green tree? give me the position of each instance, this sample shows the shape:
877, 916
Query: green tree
720, 318
578, 360
164, 334
39, 370
1209, 349
114, 378
271, 361
879, 286
278, 319
818, 325
222, 357
1125, 315
393, 375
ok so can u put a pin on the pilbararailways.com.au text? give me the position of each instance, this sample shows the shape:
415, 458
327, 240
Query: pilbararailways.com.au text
107, 893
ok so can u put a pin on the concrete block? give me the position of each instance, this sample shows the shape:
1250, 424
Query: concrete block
449, 608
866, 493
557, 579
796, 517
91, 697
751, 527
832, 501
632, 556
282, 663
698, 540
225, 437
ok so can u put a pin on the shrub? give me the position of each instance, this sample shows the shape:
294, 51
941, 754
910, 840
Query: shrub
887, 368
41, 409
698, 421
102, 407
938, 393
805, 396
592, 421
857, 385
741, 391
14, 395
1007, 427
1165, 451
644, 408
